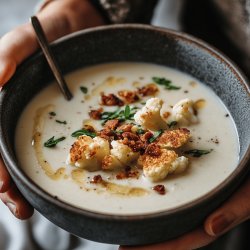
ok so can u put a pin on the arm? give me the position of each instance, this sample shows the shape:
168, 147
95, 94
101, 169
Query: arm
58, 18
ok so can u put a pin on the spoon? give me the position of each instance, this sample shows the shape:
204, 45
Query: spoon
50, 57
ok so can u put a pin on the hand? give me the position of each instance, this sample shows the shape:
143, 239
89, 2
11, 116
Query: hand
231, 213
58, 18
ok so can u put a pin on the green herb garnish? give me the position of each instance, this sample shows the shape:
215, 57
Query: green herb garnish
140, 131
165, 82
121, 114
155, 136
198, 152
80, 132
52, 113
61, 122
172, 124
84, 89
50, 143
127, 112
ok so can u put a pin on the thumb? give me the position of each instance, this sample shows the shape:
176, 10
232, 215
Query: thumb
231, 213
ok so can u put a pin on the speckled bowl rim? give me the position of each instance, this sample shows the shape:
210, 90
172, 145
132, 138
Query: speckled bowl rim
241, 167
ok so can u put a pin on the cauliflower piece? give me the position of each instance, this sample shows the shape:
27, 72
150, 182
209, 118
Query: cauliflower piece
123, 153
110, 162
156, 168
183, 112
179, 165
149, 116
88, 153
174, 138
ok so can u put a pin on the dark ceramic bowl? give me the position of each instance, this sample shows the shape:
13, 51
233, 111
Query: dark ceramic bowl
128, 43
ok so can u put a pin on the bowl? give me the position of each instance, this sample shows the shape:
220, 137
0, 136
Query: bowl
136, 43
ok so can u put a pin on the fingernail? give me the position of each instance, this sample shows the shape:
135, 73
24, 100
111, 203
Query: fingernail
11, 206
221, 223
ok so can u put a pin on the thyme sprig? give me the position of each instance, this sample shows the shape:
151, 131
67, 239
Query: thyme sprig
80, 132
165, 82
52, 142
198, 152
121, 114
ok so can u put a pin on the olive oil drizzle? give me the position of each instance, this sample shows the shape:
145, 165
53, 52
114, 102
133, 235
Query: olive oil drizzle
38, 145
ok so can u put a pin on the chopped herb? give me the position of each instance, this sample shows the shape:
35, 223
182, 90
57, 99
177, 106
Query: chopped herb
140, 131
165, 82
50, 143
61, 122
156, 135
143, 103
127, 112
80, 132
52, 113
122, 115
198, 152
172, 124
84, 89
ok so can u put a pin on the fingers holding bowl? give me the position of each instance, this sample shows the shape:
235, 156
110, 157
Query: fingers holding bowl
11, 196
231, 213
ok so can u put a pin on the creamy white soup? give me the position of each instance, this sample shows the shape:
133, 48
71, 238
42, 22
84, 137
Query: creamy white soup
163, 107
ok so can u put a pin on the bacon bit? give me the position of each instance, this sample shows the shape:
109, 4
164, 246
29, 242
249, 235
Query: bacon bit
96, 179
111, 124
130, 136
96, 114
166, 114
148, 90
107, 134
134, 142
111, 100
153, 150
145, 137
125, 127
128, 96
160, 189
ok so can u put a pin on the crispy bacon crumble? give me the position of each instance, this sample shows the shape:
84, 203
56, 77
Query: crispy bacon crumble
148, 90
96, 179
96, 114
111, 100
160, 189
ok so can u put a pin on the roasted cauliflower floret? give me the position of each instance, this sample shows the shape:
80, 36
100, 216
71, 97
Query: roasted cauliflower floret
179, 165
183, 112
110, 162
123, 153
174, 138
88, 153
157, 167
149, 116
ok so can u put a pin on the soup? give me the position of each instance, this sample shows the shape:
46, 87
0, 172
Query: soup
44, 141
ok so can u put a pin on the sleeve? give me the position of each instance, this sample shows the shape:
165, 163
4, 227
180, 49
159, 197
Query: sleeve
126, 11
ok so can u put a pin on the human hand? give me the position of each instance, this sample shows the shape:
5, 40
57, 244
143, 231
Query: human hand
233, 212
58, 18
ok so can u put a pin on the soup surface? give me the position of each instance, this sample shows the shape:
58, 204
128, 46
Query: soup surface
50, 118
